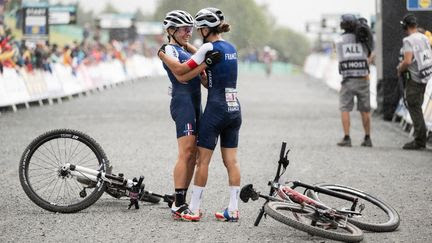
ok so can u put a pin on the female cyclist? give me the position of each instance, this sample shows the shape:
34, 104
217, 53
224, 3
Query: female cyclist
185, 107
222, 115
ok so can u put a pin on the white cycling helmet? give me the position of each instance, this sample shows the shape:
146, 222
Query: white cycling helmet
177, 18
208, 17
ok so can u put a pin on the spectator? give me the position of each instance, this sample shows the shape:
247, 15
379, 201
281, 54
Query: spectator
38, 55
417, 73
67, 56
55, 54
41, 55
354, 59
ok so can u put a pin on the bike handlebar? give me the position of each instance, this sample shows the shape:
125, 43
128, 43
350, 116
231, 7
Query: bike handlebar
140, 181
282, 152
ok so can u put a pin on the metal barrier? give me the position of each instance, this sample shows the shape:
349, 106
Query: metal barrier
18, 87
325, 67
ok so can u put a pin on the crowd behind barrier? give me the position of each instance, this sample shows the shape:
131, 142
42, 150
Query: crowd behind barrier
42, 71
325, 67
18, 86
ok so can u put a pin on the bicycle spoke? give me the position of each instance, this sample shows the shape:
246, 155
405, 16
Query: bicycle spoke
79, 185
39, 181
53, 188
46, 187
44, 174
65, 149
69, 190
56, 161
73, 153
54, 153
46, 162
85, 157
87, 162
46, 168
45, 181
79, 152
61, 184
58, 148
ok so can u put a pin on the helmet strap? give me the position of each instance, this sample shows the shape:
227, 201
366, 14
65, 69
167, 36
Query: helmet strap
205, 37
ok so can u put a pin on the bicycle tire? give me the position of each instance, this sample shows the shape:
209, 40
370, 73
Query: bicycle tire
42, 154
379, 208
294, 216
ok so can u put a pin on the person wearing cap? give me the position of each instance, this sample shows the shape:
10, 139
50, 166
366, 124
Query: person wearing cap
354, 57
416, 67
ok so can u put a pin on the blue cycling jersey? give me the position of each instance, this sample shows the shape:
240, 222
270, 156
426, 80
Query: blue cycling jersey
222, 115
222, 78
193, 86
185, 104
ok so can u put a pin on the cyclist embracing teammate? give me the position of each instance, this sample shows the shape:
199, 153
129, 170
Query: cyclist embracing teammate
222, 115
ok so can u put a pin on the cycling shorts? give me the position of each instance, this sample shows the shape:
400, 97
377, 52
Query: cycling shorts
214, 124
186, 113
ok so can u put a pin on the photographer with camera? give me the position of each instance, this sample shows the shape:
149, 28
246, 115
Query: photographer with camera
354, 50
416, 69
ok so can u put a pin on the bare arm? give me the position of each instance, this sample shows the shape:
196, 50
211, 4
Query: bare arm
403, 65
184, 78
174, 65
181, 68
371, 57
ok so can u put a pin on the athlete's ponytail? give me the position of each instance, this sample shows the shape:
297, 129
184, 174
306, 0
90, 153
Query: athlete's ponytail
223, 27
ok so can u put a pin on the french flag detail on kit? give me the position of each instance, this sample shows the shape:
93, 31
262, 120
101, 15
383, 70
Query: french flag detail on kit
188, 129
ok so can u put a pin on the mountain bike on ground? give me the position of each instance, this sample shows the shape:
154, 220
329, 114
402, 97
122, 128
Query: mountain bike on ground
67, 171
327, 210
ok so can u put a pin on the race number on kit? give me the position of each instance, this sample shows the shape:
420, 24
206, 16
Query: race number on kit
231, 99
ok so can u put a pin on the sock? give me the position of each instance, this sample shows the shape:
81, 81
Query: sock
234, 195
196, 198
347, 137
180, 195
367, 136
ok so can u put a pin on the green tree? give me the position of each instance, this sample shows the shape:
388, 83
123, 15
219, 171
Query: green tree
84, 17
249, 23
109, 8
12, 5
291, 46
252, 26
139, 16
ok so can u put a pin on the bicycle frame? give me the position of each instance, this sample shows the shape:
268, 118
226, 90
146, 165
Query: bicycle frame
117, 181
287, 193
96, 175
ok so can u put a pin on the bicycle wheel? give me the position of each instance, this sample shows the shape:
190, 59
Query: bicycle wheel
51, 188
377, 215
302, 218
